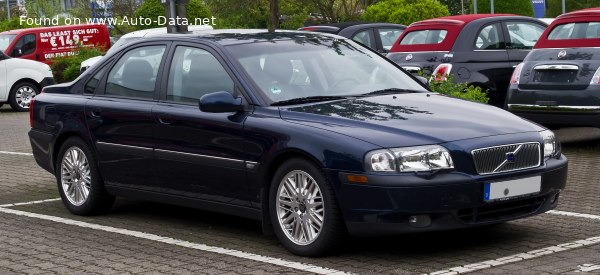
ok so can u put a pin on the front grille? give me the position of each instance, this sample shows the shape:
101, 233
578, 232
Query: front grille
500, 211
506, 158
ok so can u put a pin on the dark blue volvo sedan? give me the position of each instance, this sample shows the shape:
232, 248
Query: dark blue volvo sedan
312, 134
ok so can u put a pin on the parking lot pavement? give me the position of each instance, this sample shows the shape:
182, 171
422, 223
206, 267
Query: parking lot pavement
35, 245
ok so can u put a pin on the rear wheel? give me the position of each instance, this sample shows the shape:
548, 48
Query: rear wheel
21, 95
81, 189
304, 211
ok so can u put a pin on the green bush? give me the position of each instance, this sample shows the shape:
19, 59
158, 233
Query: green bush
66, 69
404, 11
554, 7
13, 24
153, 9
521, 7
459, 90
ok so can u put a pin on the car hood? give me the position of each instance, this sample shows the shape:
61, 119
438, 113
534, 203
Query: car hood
408, 119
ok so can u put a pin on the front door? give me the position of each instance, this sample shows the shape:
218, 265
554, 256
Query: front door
120, 117
199, 154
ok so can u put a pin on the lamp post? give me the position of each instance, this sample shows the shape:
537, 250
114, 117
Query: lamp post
8, 9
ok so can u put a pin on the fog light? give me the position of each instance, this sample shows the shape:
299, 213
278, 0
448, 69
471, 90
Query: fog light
419, 221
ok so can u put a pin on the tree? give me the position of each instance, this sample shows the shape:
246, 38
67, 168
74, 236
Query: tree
456, 6
405, 11
520, 7
153, 9
554, 7
274, 15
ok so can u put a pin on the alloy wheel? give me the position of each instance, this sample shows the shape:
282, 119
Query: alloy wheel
75, 174
300, 207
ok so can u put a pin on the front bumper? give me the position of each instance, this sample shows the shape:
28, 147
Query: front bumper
446, 201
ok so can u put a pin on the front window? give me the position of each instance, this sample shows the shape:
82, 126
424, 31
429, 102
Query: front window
388, 37
523, 35
581, 30
291, 69
5, 40
424, 37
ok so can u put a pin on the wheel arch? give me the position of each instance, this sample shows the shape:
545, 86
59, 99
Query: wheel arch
267, 178
60, 140
26, 80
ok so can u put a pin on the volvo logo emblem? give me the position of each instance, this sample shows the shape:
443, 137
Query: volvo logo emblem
409, 57
510, 157
562, 54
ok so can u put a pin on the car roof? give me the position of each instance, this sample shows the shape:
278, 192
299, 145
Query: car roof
163, 30
579, 16
337, 27
452, 24
227, 37
457, 20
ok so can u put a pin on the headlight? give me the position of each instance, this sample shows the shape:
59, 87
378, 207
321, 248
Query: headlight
550, 143
409, 159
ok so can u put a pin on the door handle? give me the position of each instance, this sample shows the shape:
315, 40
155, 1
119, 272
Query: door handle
164, 121
96, 113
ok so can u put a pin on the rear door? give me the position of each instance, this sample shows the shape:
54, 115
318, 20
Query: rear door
199, 154
119, 116
520, 38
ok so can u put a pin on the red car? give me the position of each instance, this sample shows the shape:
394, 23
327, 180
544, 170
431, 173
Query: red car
479, 49
46, 43
558, 84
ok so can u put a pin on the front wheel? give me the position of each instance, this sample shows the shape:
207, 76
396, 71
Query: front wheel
304, 210
81, 189
21, 96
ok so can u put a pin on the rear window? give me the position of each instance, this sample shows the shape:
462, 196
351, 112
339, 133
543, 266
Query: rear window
580, 30
424, 37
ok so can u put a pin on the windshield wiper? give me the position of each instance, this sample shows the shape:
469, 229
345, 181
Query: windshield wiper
388, 91
308, 99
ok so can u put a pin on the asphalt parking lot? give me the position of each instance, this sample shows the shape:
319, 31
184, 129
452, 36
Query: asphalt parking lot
38, 235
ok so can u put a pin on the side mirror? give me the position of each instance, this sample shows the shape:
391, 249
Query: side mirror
16, 53
423, 80
220, 102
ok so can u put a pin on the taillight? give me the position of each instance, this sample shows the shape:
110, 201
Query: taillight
516, 76
596, 77
31, 112
441, 72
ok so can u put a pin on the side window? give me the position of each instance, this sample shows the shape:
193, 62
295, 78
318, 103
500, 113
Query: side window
523, 35
194, 73
388, 37
134, 75
25, 46
92, 84
489, 38
364, 37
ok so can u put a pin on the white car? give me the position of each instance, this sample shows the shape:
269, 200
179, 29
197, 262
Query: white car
21, 80
133, 36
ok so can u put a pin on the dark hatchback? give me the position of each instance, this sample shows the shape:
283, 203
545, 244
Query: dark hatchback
558, 84
312, 134
377, 36
479, 49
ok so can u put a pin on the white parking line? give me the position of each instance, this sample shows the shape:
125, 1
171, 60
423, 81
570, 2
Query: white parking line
28, 203
15, 153
167, 240
573, 214
519, 257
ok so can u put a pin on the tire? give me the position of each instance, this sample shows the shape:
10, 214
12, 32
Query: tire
77, 174
309, 210
21, 95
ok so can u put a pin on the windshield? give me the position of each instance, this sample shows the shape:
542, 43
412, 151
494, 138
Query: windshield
318, 67
580, 30
424, 37
5, 40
